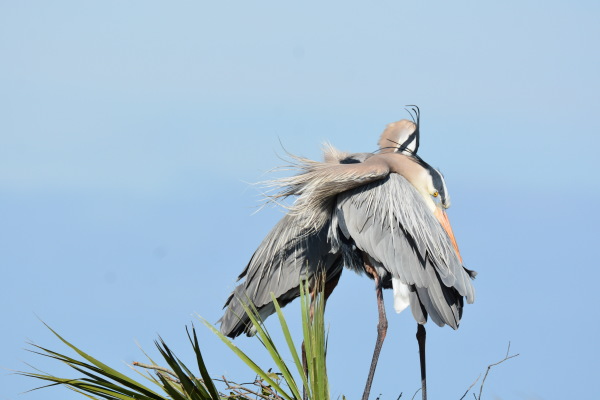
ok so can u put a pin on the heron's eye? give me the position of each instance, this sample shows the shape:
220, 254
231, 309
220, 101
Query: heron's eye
435, 194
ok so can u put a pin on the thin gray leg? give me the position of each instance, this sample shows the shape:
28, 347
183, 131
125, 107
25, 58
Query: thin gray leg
421, 339
381, 329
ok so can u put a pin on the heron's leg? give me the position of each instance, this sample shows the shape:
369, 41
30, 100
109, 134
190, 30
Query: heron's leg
330, 285
421, 339
381, 327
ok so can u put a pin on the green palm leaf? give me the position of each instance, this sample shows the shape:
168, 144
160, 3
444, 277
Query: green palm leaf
177, 382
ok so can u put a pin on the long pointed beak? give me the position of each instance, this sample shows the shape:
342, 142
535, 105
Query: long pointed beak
441, 216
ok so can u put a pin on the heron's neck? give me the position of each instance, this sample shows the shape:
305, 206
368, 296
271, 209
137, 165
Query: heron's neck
413, 172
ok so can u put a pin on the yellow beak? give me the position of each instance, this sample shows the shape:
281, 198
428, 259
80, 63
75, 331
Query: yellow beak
441, 216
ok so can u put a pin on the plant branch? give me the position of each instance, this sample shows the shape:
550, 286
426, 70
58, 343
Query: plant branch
506, 357
470, 387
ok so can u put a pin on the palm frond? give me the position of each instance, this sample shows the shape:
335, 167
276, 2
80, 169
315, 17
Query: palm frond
176, 381
100, 381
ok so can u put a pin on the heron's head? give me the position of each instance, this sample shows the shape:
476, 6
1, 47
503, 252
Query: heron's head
431, 184
438, 189
402, 136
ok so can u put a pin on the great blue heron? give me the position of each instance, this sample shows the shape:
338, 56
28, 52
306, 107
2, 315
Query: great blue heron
380, 213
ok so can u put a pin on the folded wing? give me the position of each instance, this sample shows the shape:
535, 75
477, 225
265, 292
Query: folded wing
285, 257
389, 220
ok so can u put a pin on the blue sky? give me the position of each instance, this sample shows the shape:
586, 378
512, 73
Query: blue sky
130, 134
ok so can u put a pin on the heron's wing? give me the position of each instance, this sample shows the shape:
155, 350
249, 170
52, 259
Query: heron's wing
319, 182
286, 256
389, 220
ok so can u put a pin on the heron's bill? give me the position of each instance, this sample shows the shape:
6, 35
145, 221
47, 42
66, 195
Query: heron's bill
443, 218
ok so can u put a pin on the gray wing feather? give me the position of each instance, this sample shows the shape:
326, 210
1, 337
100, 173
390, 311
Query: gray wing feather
286, 256
416, 306
406, 239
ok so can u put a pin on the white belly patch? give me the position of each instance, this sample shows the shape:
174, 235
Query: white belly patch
401, 298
